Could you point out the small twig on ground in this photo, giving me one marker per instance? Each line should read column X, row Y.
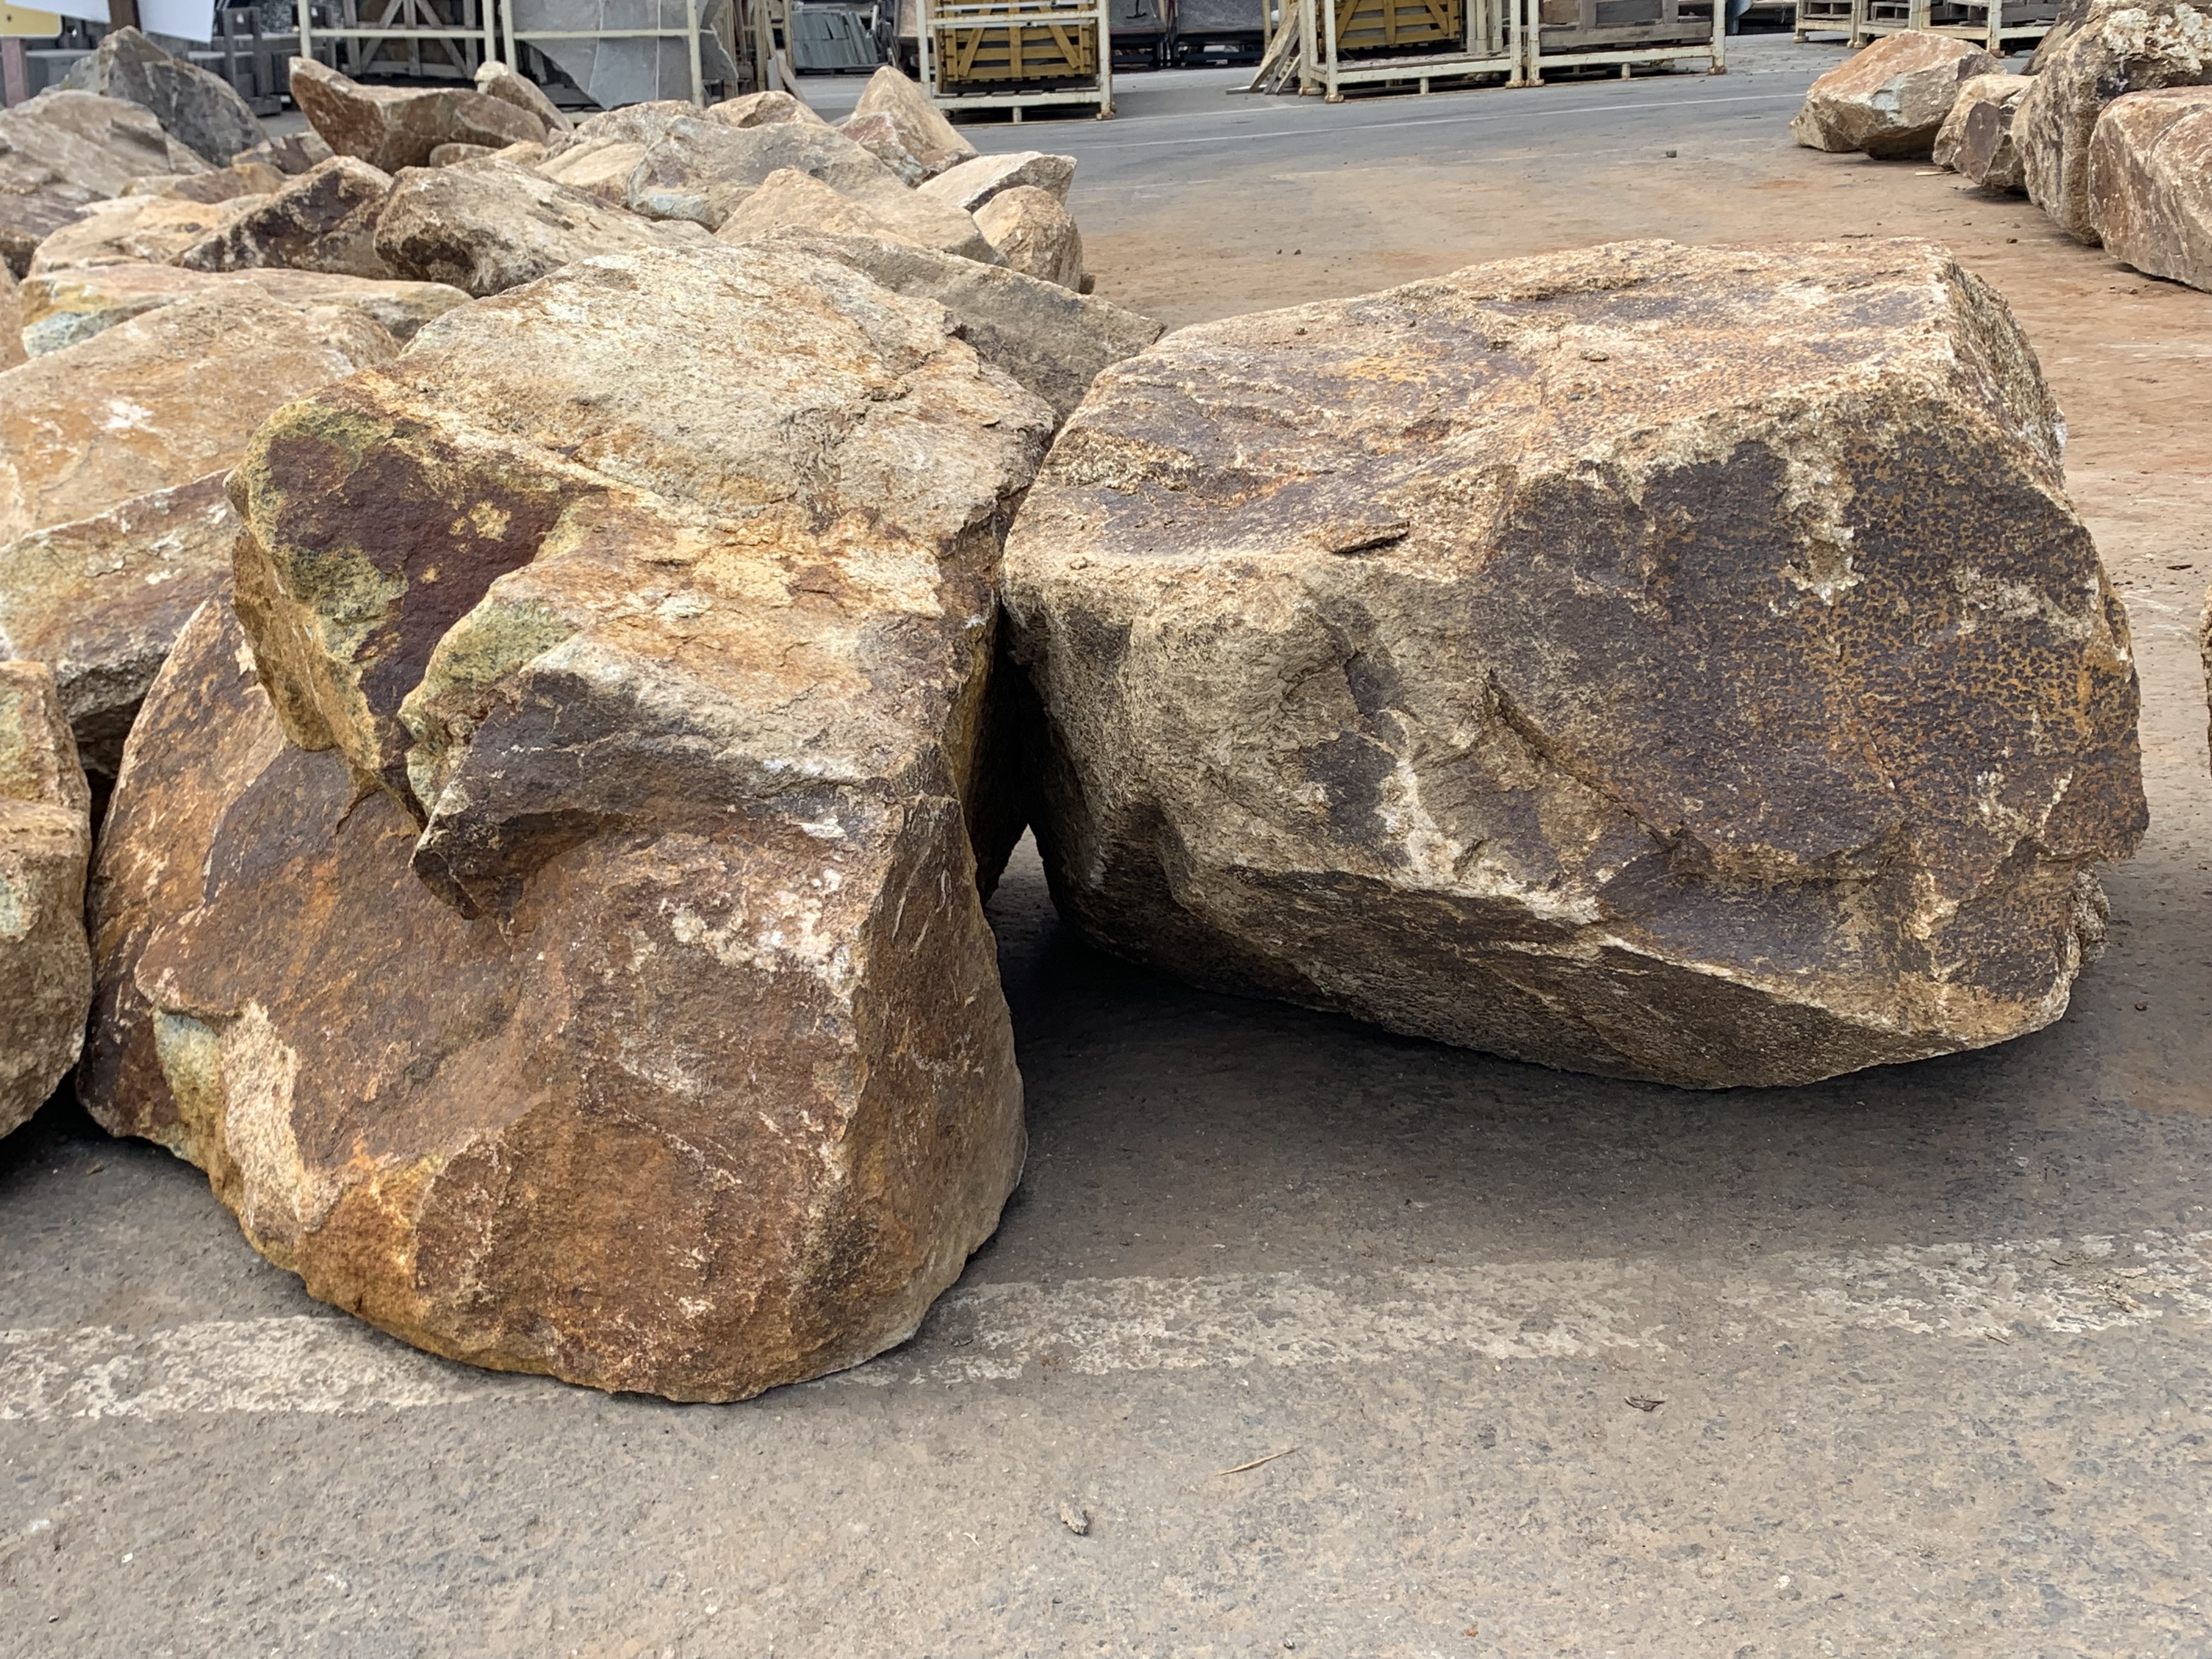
column 1256, row 1462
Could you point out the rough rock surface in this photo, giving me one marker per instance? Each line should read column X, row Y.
column 293, row 155
column 68, row 307
column 700, row 169
column 598, row 167
column 491, row 225
column 973, row 183
column 891, row 142
column 925, row 130
column 45, row 838
column 1034, row 234
column 1052, row 340
column 763, row 109
column 100, row 601
column 395, row 127
column 201, row 110
column 136, row 229
column 63, row 149
column 324, row 220
column 11, row 320
column 1890, row 99
column 684, row 1070
column 160, row 400
column 2150, row 183
column 1976, row 140
column 1681, row 663
column 446, row 156
column 216, row 184
column 790, row 199
column 2114, row 48
column 495, row 80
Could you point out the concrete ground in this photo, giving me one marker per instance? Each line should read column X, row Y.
column 1914, row 1363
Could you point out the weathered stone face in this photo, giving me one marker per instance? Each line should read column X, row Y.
column 70, row 307
column 700, row 169
column 489, row 225
column 1669, row 663
column 216, row 184
column 495, row 80
column 922, row 127
column 11, row 320
column 763, row 109
column 1052, row 340
column 640, row 1024
column 791, row 200
column 1034, row 234
column 100, row 600
column 80, row 147
column 293, row 155
column 2115, row 46
column 1889, row 99
column 136, row 230
column 200, row 111
column 323, row 221
column 395, row 127
column 45, row 837
column 974, row 182
column 898, row 146
column 161, row 400
column 1976, row 140
column 2150, row 183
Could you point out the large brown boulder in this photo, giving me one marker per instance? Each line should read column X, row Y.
column 216, row 184
column 763, row 109
column 1671, row 662
column 1976, row 140
column 1034, row 234
column 793, row 200
column 495, row 80
column 923, row 130
column 325, row 221
column 199, row 110
column 1052, row 340
column 136, row 230
column 639, row 1022
column 68, row 307
column 974, row 182
column 489, row 225
column 700, row 169
column 45, row 838
column 62, row 150
column 2150, row 183
column 2115, row 46
column 1890, row 99
column 395, row 127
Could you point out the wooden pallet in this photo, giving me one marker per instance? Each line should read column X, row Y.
column 1998, row 26
column 1396, row 26
column 1565, row 26
column 1826, row 16
column 1018, row 51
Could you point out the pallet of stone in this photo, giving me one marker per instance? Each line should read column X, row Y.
column 1826, row 17
column 1017, row 54
column 1338, row 46
column 1622, row 33
column 1998, row 26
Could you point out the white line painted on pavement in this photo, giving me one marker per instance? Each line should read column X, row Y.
column 1520, row 1310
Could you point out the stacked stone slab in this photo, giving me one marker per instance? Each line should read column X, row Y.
column 639, row 1023
column 2150, row 183
column 1667, row 663
column 1890, row 99
column 2114, row 47
column 45, row 838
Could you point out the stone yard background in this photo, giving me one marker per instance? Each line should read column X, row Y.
column 1909, row 1362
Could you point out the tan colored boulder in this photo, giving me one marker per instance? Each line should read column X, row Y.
column 199, row 110
column 1890, row 99
column 65, row 149
column 495, row 80
column 2150, row 183
column 974, row 182
column 447, row 154
column 292, row 154
column 1976, row 140
column 1409, row 656
column 324, row 220
column 489, row 225
column 137, row 230
column 11, row 320
column 1034, row 234
column 216, row 184
column 395, row 127
column 99, row 602
column 718, row 1090
column 46, row 839
column 2114, row 47
column 160, row 400
column 790, row 199
column 68, row 307
column 1051, row 341
column 891, row 142
column 763, row 109
column 922, row 126
column 598, row 166
column 699, row 169
column 631, row 123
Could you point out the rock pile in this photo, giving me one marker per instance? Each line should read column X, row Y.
column 1676, row 664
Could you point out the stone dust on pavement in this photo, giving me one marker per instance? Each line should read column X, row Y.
column 1297, row 1336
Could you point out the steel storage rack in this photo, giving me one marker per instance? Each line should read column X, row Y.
column 1016, row 55
column 434, row 38
column 1220, row 31
column 1405, row 42
column 1997, row 25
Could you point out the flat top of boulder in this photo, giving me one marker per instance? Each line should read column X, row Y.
column 976, row 180
column 1906, row 53
column 891, row 93
column 763, row 109
column 200, row 110
column 81, row 147
column 495, row 80
column 395, row 127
